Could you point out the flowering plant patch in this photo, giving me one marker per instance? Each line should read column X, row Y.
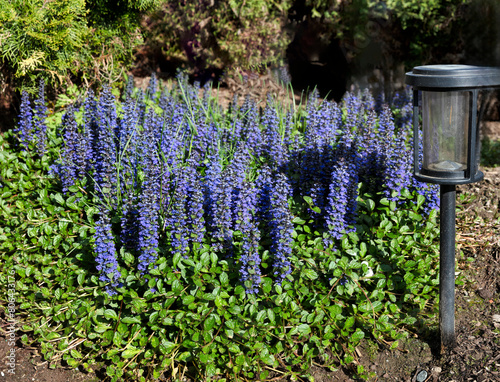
column 235, row 242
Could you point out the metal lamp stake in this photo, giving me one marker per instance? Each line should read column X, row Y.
column 450, row 156
column 447, row 267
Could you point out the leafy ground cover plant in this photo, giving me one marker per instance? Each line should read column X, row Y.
column 179, row 238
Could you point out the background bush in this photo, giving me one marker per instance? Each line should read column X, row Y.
column 85, row 41
column 339, row 38
column 217, row 34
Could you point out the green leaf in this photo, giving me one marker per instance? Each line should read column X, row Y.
column 349, row 322
column 129, row 353
column 310, row 274
column 204, row 259
column 81, row 278
column 153, row 317
column 266, row 357
column 224, row 278
column 58, row 198
column 316, row 209
column 308, row 199
column 267, row 284
column 56, row 241
column 52, row 336
column 110, row 314
column 261, row 316
column 239, row 290
column 358, row 335
column 155, row 342
column 271, row 315
column 240, row 360
column 47, row 229
column 188, row 299
column 370, row 204
column 298, row 220
column 302, row 329
column 209, row 323
column 167, row 347
column 131, row 320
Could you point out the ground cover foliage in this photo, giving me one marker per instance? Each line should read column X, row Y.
column 155, row 233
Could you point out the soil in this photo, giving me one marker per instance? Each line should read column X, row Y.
column 476, row 356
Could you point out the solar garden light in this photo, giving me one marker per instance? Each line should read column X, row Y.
column 450, row 142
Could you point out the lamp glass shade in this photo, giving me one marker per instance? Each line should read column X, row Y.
column 445, row 124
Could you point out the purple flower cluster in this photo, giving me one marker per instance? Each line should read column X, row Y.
column 175, row 177
column 280, row 225
column 218, row 202
column 73, row 152
column 106, row 256
column 346, row 145
column 194, row 206
column 24, row 127
column 251, row 131
column 149, row 203
column 105, row 150
column 31, row 127
column 274, row 151
column 341, row 200
column 246, row 224
column 178, row 220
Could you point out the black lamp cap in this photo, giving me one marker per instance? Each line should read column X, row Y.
column 448, row 77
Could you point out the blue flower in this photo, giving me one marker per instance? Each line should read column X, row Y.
column 251, row 131
column 40, row 113
column 148, row 240
column 151, row 89
column 106, row 257
column 73, row 152
column 274, row 150
column 218, row 192
column 25, row 129
column 247, row 224
column 91, row 131
column 194, row 205
column 280, row 226
column 128, row 150
column 337, row 207
column 149, row 203
column 129, row 87
column 178, row 220
column 105, row 151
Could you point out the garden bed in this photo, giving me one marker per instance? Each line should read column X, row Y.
column 412, row 355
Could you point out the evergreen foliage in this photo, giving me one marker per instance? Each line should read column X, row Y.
column 64, row 40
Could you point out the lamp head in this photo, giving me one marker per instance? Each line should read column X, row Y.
column 450, row 136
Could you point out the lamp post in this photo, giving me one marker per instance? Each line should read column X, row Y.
column 450, row 144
